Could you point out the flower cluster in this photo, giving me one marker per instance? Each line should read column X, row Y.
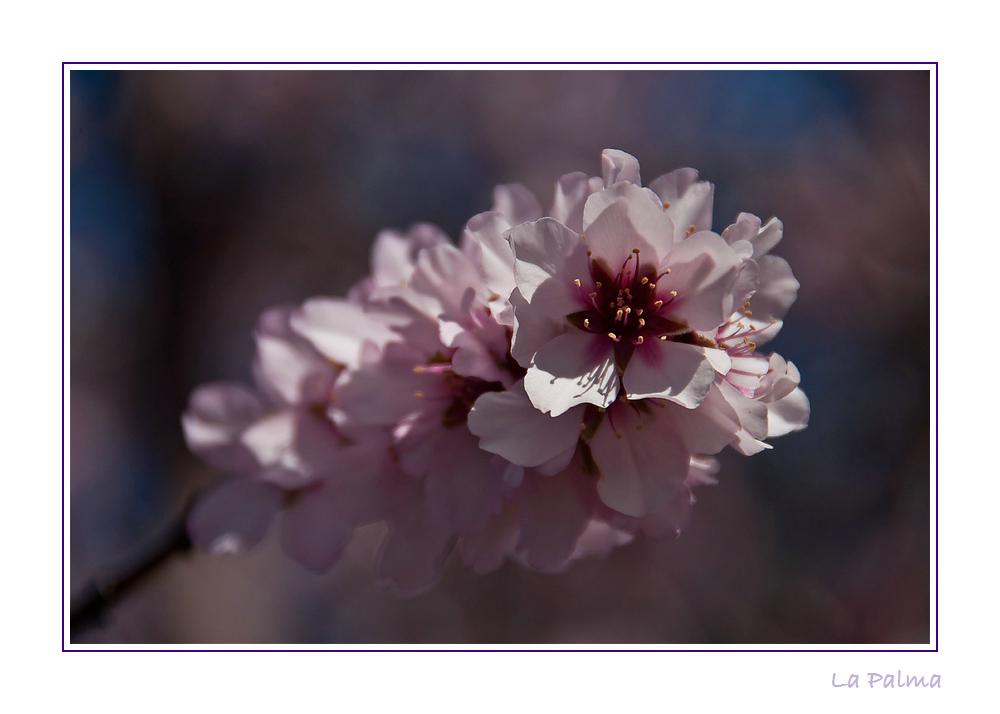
column 549, row 389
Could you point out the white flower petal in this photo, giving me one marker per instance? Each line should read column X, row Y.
column 618, row 166
column 338, row 328
column 516, row 203
column 572, row 191
column 688, row 201
column 669, row 370
column 574, row 368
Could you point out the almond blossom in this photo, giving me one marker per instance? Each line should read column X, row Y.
column 550, row 389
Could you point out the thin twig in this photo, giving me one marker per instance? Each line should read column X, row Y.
column 90, row 603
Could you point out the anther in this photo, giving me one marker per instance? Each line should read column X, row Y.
column 673, row 293
column 618, row 315
column 638, row 311
column 614, row 337
column 667, row 271
column 586, row 322
column 638, row 340
column 666, row 204
column 747, row 313
column 628, row 310
column 658, row 303
column 589, row 252
column 593, row 295
column 644, row 281
column 652, row 286
column 576, row 281
column 636, row 251
column 642, row 323
column 418, row 369
column 598, row 283
column 418, row 394
column 663, row 338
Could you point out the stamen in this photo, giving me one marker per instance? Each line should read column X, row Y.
column 663, row 338
column 418, row 394
column 673, row 293
column 644, row 281
column 652, row 286
column 638, row 311
column 666, row 204
column 658, row 303
column 614, row 337
column 586, row 322
column 636, row 251
column 598, row 284
column 576, row 281
column 638, row 340
column 642, row 323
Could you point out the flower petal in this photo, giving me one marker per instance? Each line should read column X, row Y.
column 618, row 166
column 574, row 368
column 688, row 201
column 554, row 513
column 703, row 271
column 778, row 289
column 669, row 370
column 516, row 203
column 572, row 191
column 394, row 254
column 233, row 516
column 216, row 417
column 643, row 461
column 312, row 535
column 509, row 425
column 337, row 328
column 547, row 253
column 788, row 414
column 483, row 241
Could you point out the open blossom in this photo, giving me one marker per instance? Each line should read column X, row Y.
column 549, row 390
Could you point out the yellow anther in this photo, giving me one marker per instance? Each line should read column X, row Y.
column 418, row 369
column 638, row 340
column 673, row 293
column 666, row 204
column 576, row 281
column 586, row 322
column 652, row 286
column 642, row 323
column 658, row 303
column 418, row 394
column 598, row 283
column 663, row 338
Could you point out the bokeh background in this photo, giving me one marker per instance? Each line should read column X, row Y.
column 200, row 198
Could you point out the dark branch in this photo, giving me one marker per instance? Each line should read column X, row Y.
column 90, row 603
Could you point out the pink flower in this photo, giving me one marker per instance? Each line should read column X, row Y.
column 549, row 391
column 288, row 455
column 617, row 308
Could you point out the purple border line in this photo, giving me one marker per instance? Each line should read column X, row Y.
column 937, row 458
column 62, row 342
column 937, row 367
column 506, row 64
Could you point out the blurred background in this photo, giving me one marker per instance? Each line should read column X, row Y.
column 200, row 198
